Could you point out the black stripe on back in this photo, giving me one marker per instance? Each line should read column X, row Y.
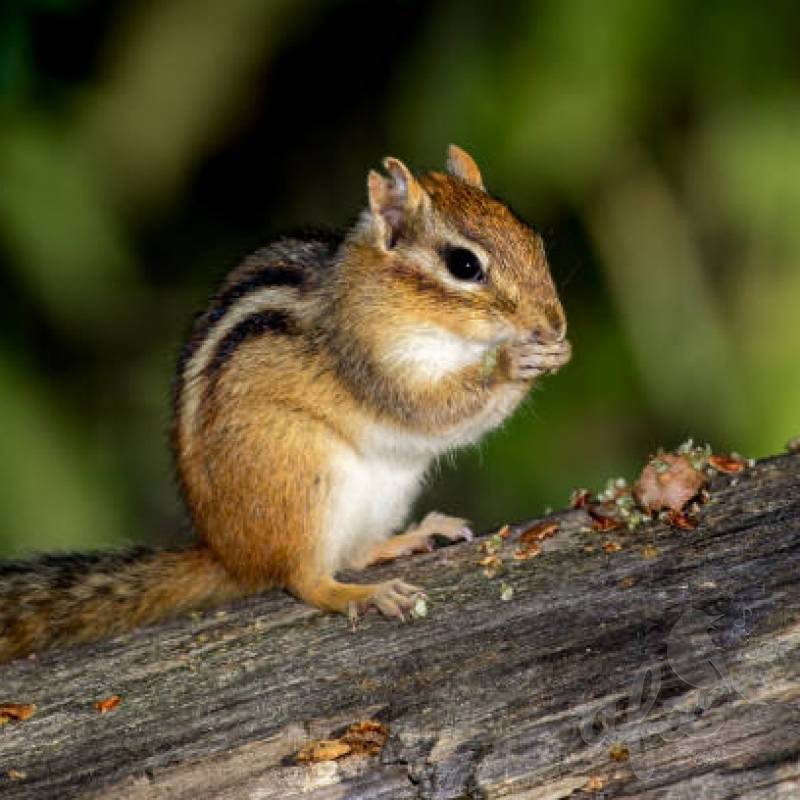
column 203, row 322
column 255, row 325
column 289, row 261
column 272, row 276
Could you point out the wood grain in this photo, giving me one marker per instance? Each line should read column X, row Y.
column 686, row 659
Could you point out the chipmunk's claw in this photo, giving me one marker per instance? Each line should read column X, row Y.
column 392, row 598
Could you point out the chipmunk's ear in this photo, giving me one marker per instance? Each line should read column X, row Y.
column 393, row 199
column 462, row 165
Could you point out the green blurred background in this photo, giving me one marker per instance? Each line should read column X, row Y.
column 146, row 145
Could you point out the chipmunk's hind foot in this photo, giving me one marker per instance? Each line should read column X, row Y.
column 393, row 598
column 419, row 538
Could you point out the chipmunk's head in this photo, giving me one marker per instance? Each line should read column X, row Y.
column 451, row 257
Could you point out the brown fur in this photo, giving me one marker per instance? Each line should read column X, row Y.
column 289, row 368
column 65, row 599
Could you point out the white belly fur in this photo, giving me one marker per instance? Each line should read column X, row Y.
column 370, row 498
column 372, row 488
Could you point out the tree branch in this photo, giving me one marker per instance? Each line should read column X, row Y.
column 667, row 669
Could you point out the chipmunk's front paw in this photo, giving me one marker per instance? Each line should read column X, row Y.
column 393, row 598
column 530, row 359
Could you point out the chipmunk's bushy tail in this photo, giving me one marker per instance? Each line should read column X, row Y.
column 65, row 599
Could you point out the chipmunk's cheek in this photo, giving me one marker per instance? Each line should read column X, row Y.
column 488, row 331
column 430, row 353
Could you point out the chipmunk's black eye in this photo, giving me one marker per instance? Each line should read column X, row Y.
column 463, row 264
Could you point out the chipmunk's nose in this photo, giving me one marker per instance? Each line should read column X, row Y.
column 551, row 332
column 547, row 322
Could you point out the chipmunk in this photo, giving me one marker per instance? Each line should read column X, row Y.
column 325, row 376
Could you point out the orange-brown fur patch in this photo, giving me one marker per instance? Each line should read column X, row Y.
column 60, row 600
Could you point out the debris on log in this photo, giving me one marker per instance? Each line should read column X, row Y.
column 664, row 666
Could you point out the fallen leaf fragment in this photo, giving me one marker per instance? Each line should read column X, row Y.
column 611, row 546
column 628, row 581
column 530, row 550
column 323, row 750
column 504, row 532
column 492, row 566
column 619, row 752
column 681, row 521
column 16, row 775
column 538, row 533
column 668, row 481
column 492, row 545
column 18, row 712
column 603, row 522
column 580, row 498
column 109, row 704
column 727, row 464
column 594, row 784
column 365, row 738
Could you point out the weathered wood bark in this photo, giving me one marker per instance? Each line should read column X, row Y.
column 687, row 657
